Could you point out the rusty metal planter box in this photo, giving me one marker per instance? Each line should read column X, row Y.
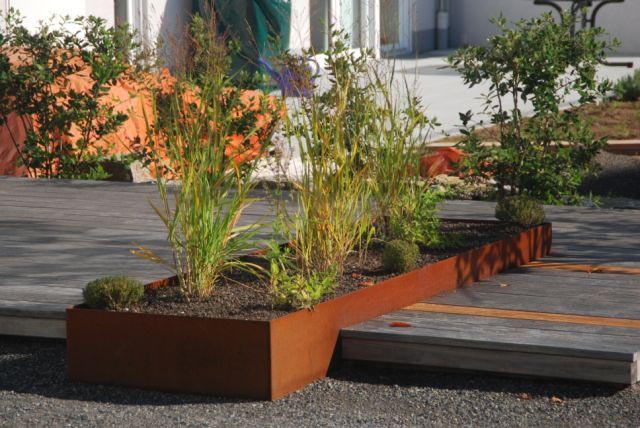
column 263, row 359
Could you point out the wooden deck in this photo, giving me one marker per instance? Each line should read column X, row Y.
column 573, row 315
column 57, row 235
column 556, row 319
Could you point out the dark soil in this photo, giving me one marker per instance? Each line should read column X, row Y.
column 619, row 176
column 242, row 296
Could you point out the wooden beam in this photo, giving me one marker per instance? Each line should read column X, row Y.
column 524, row 315
column 584, row 268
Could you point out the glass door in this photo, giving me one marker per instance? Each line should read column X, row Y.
column 347, row 14
column 351, row 20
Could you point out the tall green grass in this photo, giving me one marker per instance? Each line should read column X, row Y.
column 332, row 193
column 195, row 139
column 360, row 141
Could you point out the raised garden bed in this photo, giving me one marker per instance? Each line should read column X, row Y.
column 269, row 358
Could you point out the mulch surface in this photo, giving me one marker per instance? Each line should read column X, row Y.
column 615, row 120
column 243, row 296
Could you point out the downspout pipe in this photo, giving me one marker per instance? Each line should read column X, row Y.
column 442, row 26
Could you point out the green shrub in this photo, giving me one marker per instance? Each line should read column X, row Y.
column 290, row 288
column 628, row 87
column 113, row 292
column 522, row 210
column 400, row 256
column 414, row 217
column 35, row 89
column 537, row 63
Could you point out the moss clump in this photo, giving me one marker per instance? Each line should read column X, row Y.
column 113, row 292
column 400, row 256
column 522, row 210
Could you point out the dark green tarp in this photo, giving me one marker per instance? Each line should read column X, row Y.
column 261, row 26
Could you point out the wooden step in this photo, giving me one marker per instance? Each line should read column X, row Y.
column 499, row 345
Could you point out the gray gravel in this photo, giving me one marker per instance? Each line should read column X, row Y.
column 619, row 176
column 35, row 392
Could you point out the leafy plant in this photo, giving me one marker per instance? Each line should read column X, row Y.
column 63, row 123
column 414, row 217
column 539, row 63
column 396, row 130
column 400, row 256
column 113, row 292
column 290, row 288
column 628, row 87
column 522, row 210
column 194, row 140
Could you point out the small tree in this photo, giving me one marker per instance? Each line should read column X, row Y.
column 539, row 63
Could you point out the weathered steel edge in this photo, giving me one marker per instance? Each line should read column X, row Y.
column 263, row 359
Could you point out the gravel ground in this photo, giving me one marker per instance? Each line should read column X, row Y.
column 35, row 392
column 619, row 176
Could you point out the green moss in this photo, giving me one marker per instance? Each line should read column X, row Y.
column 400, row 256
column 113, row 292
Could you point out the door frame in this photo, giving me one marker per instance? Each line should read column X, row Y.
column 370, row 25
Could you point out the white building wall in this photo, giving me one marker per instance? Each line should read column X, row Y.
column 423, row 24
column 103, row 9
column 166, row 21
column 470, row 20
column 300, row 36
column 34, row 11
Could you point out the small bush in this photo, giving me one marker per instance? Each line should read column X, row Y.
column 522, row 210
column 400, row 256
column 64, row 127
column 113, row 292
column 538, row 63
column 414, row 217
column 628, row 87
column 291, row 288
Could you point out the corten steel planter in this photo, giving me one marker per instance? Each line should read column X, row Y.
column 263, row 359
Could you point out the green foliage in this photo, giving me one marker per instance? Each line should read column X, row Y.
column 290, row 288
column 395, row 130
column 414, row 218
column 628, row 87
column 191, row 141
column 209, row 50
column 400, row 256
column 522, row 210
column 113, row 292
column 38, row 91
column 332, row 194
column 540, row 63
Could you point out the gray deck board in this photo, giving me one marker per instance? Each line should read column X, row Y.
column 503, row 335
column 591, row 237
column 587, row 304
column 57, row 235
